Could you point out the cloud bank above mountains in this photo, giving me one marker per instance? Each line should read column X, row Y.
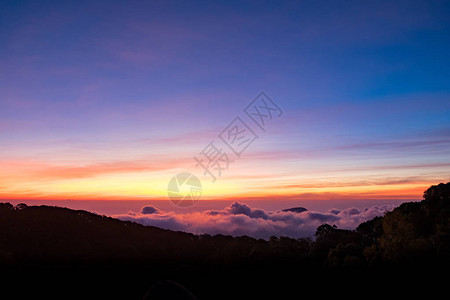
column 240, row 219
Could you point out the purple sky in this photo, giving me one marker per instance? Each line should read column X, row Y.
column 110, row 99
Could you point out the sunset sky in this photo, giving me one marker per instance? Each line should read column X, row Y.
column 111, row 99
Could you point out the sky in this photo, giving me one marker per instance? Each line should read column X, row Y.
column 109, row 100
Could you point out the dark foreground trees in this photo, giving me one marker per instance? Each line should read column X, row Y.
column 45, row 249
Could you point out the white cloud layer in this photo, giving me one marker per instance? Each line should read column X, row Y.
column 240, row 219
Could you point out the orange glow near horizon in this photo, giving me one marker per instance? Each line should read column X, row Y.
column 143, row 185
column 259, row 176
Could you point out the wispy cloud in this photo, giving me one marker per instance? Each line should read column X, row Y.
column 406, row 144
column 45, row 171
column 355, row 182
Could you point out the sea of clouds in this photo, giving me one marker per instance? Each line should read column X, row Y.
column 240, row 219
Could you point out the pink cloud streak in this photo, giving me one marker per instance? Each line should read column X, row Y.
column 240, row 219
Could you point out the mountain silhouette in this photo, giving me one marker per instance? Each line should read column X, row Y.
column 412, row 241
column 295, row 209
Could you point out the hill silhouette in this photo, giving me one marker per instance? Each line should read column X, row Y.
column 295, row 209
column 82, row 247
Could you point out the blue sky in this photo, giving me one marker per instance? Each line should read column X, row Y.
column 92, row 83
